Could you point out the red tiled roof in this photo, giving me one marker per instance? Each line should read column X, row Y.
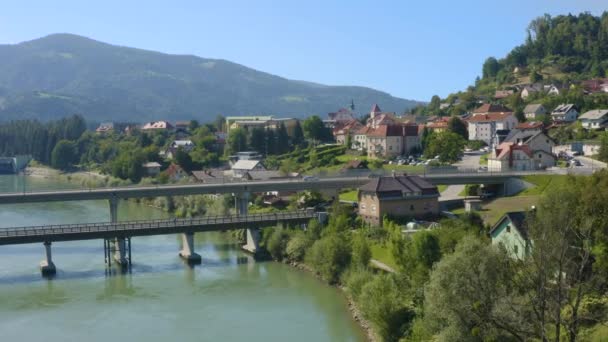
column 491, row 108
column 530, row 125
column 489, row 117
column 394, row 130
column 506, row 150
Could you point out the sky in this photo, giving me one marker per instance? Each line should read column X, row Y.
column 409, row 48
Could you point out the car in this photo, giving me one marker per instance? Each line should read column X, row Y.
column 310, row 178
column 483, row 168
column 577, row 153
column 486, row 194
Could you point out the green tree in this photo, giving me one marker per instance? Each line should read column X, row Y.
column 257, row 140
column 237, row 140
column 456, row 125
column 277, row 243
column 490, row 67
column 383, row 303
column 603, row 152
column 362, row 253
column 282, row 139
column 447, row 145
column 193, row 125
column 298, row 135
column 315, row 130
column 63, row 155
column 183, row 159
column 330, row 256
column 434, row 105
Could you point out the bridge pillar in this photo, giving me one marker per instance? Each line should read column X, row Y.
column 241, row 202
column 120, row 251
column 113, row 209
column 47, row 267
column 187, row 252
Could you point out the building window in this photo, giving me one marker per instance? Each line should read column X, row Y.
column 411, row 207
column 373, row 208
column 515, row 249
column 508, row 229
column 362, row 206
column 539, row 155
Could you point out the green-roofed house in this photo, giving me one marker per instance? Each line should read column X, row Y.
column 512, row 233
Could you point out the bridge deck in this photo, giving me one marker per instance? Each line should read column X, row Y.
column 88, row 231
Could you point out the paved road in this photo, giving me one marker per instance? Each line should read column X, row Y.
column 382, row 266
column 452, row 192
column 470, row 161
column 592, row 163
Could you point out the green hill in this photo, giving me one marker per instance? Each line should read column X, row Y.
column 65, row 74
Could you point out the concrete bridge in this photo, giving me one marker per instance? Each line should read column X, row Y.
column 117, row 235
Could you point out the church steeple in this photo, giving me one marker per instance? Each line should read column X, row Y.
column 352, row 105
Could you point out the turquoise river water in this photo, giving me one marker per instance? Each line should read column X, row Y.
column 230, row 297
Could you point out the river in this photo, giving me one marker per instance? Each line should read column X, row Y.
column 230, row 297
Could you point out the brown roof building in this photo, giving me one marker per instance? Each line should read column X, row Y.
column 490, row 108
column 398, row 197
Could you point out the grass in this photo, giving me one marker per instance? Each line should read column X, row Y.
column 543, row 183
column 349, row 196
column 441, row 188
column 598, row 333
column 383, row 254
column 493, row 210
column 483, row 160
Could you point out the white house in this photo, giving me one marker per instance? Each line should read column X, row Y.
column 242, row 167
column 152, row 169
column 564, row 113
column 594, row 119
column 511, row 156
column 530, row 89
column 186, row 145
column 534, row 111
column 538, row 143
column 484, row 126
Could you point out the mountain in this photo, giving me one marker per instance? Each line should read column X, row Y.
column 64, row 74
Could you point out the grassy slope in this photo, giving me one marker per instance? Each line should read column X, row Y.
column 383, row 254
column 543, row 183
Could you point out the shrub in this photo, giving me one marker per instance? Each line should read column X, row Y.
column 329, row 256
column 297, row 246
column 277, row 243
column 362, row 253
column 355, row 280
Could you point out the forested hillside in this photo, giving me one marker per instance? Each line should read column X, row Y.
column 63, row 74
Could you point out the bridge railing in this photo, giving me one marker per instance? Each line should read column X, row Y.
column 151, row 224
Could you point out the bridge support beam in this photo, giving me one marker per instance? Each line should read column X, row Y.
column 187, row 252
column 47, row 267
column 122, row 246
column 113, row 209
column 241, row 202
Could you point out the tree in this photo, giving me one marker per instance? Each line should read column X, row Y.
column 193, row 125
column 183, row 159
column 603, row 152
column 383, row 303
column 362, row 253
column 315, row 130
column 63, row 155
column 271, row 142
column 434, row 105
column 447, row 145
column 490, row 68
column 257, row 140
column 456, row 125
column 282, row 140
column 469, row 296
column 237, row 140
column 330, row 256
column 298, row 134
column 220, row 123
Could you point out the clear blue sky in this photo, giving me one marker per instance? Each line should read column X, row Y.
column 411, row 49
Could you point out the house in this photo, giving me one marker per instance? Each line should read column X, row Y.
column 157, row 126
column 182, row 126
column 564, row 113
column 152, row 169
column 552, row 89
column 343, row 114
column 530, row 126
column 355, row 165
column 397, row 196
column 175, row 172
column 186, row 146
column 530, row 89
column 105, row 127
column 241, row 167
column 501, row 94
column 530, row 153
column 594, row 119
column 392, row 140
column 233, row 122
column 209, row 176
column 534, row 111
column 439, row 125
column 489, row 108
column 595, row 85
column 360, row 139
column 377, row 117
column 511, row 232
column 345, row 130
column 484, row 127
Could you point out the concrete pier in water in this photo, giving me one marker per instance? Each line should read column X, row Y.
column 47, row 267
column 187, row 252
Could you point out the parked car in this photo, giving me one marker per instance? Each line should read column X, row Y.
column 310, row 178
column 577, row 153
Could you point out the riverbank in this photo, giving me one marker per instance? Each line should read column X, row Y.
column 356, row 314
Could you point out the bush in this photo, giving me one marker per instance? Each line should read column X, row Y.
column 277, row 243
column 329, row 256
column 362, row 253
column 297, row 246
column 383, row 304
column 355, row 280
